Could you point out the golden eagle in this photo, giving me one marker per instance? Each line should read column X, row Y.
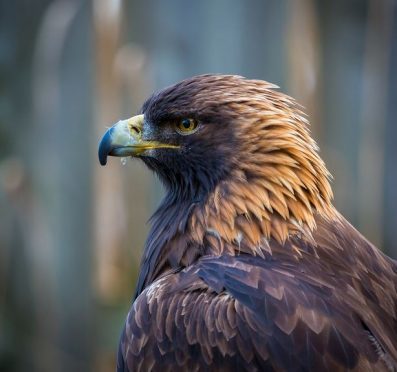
column 248, row 265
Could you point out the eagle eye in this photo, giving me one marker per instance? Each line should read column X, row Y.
column 186, row 126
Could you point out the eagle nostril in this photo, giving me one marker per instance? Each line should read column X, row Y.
column 135, row 129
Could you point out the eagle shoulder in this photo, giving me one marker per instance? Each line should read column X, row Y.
column 248, row 313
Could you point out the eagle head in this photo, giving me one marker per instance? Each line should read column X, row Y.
column 221, row 139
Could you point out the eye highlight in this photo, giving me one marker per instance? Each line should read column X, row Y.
column 186, row 126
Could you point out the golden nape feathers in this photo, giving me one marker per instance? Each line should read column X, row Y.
column 247, row 264
column 279, row 183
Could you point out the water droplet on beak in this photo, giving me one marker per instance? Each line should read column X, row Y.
column 123, row 161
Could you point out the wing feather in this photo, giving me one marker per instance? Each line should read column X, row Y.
column 323, row 311
column 297, row 323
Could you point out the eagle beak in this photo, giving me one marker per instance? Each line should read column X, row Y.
column 125, row 139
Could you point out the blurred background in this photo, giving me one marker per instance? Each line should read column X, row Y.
column 71, row 232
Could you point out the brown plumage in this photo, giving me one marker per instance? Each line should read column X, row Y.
column 248, row 266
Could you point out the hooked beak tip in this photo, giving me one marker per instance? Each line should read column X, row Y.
column 105, row 147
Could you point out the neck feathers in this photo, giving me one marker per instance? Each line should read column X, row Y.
column 278, row 187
